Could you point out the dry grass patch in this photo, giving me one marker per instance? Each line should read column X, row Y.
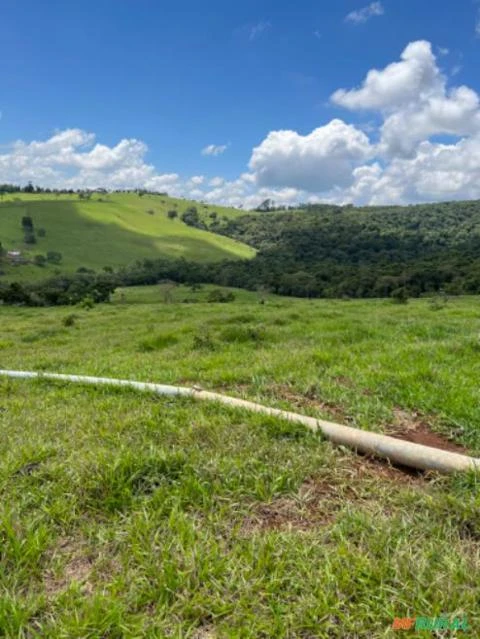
column 322, row 496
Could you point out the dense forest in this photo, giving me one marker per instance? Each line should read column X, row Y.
column 337, row 251
column 314, row 251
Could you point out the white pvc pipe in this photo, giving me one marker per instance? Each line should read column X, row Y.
column 395, row 450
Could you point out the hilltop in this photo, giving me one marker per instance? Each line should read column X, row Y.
column 108, row 230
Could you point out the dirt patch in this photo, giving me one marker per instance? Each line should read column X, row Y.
column 77, row 568
column 308, row 400
column 370, row 467
column 204, row 632
column 410, row 427
column 320, row 498
column 286, row 514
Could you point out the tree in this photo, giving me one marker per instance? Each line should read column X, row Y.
column 29, row 237
column 54, row 257
column 265, row 206
column 27, row 223
column 400, row 295
column 172, row 214
column 192, row 218
column 40, row 260
column 15, row 293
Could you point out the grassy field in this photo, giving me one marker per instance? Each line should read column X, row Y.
column 127, row 515
column 108, row 230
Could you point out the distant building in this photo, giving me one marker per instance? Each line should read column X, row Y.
column 15, row 257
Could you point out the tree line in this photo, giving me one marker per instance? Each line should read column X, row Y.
column 332, row 251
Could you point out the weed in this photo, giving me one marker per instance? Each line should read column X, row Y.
column 69, row 320
column 158, row 342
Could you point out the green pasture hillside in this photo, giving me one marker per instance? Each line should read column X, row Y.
column 108, row 230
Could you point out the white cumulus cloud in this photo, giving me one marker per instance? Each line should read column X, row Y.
column 359, row 16
column 320, row 160
column 413, row 97
column 214, row 149
column 416, row 75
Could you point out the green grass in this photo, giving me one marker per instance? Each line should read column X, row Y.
column 109, row 230
column 127, row 515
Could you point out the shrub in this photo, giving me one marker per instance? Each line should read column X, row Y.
column 217, row 295
column 192, row 218
column 172, row 214
column 438, row 302
column 87, row 303
column 203, row 342
column 27, row 223
column 29, row 237
column 400, row 295
column 14, row 293
column 41, row 232
column 69, row 320
column 40, row 260
column 151, row 212
column 158, row 342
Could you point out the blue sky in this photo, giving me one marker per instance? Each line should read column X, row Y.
column 181, row 77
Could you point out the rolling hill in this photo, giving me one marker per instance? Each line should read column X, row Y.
column 108, row 230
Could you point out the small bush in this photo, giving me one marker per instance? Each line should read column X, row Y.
column 54, row 257
column 41, row 232
column 69, row 320
column 400, row 295
column 87, row 303
column 158, row 343
column 40, row 260
column 217, row 295
column 438, row 302
column 30, row 238
column 151, row 212
column 27, row 223
column 203, row 342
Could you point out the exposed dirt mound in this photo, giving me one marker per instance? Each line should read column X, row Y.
column 410, row 427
